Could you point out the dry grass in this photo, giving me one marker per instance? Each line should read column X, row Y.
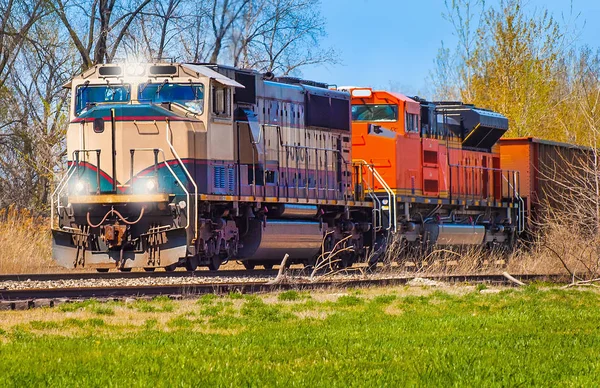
column 25, row 243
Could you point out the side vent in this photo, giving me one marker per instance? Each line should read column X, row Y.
column 430, row 186
column 219, row 177
column 430, row 157
column 231, row 179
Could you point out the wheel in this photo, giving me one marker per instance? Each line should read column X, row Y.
column 268, row 267
column 125, row 269
column 171, row 268
column 249, row 265
column 191, row 264
column 149, row 269
column 102, row 270
column 215, row 263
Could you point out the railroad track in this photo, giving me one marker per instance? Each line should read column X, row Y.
column 136, row 275
column 36, row 297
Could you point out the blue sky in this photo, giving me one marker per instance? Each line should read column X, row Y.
column 394, row 42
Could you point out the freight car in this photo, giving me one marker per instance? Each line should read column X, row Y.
column 547, row 170
column 188, row 164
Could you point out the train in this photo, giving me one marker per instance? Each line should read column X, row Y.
column 190, row 164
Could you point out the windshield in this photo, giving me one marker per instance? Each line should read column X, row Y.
column 191, row 96
column 90, row 95
column 372, row 112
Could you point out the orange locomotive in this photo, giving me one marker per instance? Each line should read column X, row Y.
column 434, row 167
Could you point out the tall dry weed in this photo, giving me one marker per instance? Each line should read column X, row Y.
column 25, row 242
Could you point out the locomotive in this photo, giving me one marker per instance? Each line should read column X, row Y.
column 186, row 165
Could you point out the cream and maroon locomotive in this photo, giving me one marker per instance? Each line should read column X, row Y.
column 187, row 164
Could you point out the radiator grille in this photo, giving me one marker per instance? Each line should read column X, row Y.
column 219, row 177
column 231, row 178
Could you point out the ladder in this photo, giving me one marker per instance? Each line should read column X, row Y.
column 379, row 208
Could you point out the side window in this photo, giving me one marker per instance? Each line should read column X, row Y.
column 412, row 122
column 221, row 96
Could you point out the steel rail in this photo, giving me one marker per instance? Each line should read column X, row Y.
column 135, row 275
column 191, row 290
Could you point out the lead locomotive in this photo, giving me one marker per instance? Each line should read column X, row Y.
column 186, row 165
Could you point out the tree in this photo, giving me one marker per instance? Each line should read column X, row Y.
column 18, row 17
column 32, row 146
column 511, row 66
column 103, row 25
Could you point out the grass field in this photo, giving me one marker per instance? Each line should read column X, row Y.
column 455, row 336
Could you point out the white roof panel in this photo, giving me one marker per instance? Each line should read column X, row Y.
column 207, row 72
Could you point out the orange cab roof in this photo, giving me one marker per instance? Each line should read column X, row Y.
column 412, row 106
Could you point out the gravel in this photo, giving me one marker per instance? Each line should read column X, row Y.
column 188, row 280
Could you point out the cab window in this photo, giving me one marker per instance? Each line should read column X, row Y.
column 190, row 96
column 88, row 96
column 375, row 112
column 221, row 101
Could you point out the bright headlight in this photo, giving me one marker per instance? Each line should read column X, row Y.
column 150, row 185
column 79, row 186
column 135, row 69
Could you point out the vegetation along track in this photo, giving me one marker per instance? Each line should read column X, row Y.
column 47, row 297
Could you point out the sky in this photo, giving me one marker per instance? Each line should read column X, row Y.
column 393, row 43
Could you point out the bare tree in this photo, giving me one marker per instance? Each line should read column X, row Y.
column 97, row 27
column 33, row 134
column 280, row 36
column 18, row 17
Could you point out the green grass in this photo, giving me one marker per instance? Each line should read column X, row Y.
column 512, row 338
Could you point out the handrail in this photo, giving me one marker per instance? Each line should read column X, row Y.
column 189, row 176
column 392, row 221
column 58, row 190
column 377, row 208
column 187, row 193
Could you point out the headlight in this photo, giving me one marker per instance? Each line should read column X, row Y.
column 81, row 187
column 135, row 69
column 150, row 185
column 146, row 185
column 384, row 201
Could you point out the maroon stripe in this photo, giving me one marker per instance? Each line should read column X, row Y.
column 132, row 118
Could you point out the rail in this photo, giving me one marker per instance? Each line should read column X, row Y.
column 189, row 176
column 293, row 155
column 392, row 206
column 521, row 211
column 478, row 186
column 187, row 193
column 58, row 191
column 24, row 298
column 64, row 181
column 377, row 216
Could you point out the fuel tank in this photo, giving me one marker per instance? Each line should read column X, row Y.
column 290, row 210
column 455, row 234
column 270, row 241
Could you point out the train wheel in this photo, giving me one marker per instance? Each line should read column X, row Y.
column 149, row 269
column 268, row 267
column 191, row 264
column 215, row 263
column 125, row 269
column 171, row 268
column 249, row 265
column 102, row 270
